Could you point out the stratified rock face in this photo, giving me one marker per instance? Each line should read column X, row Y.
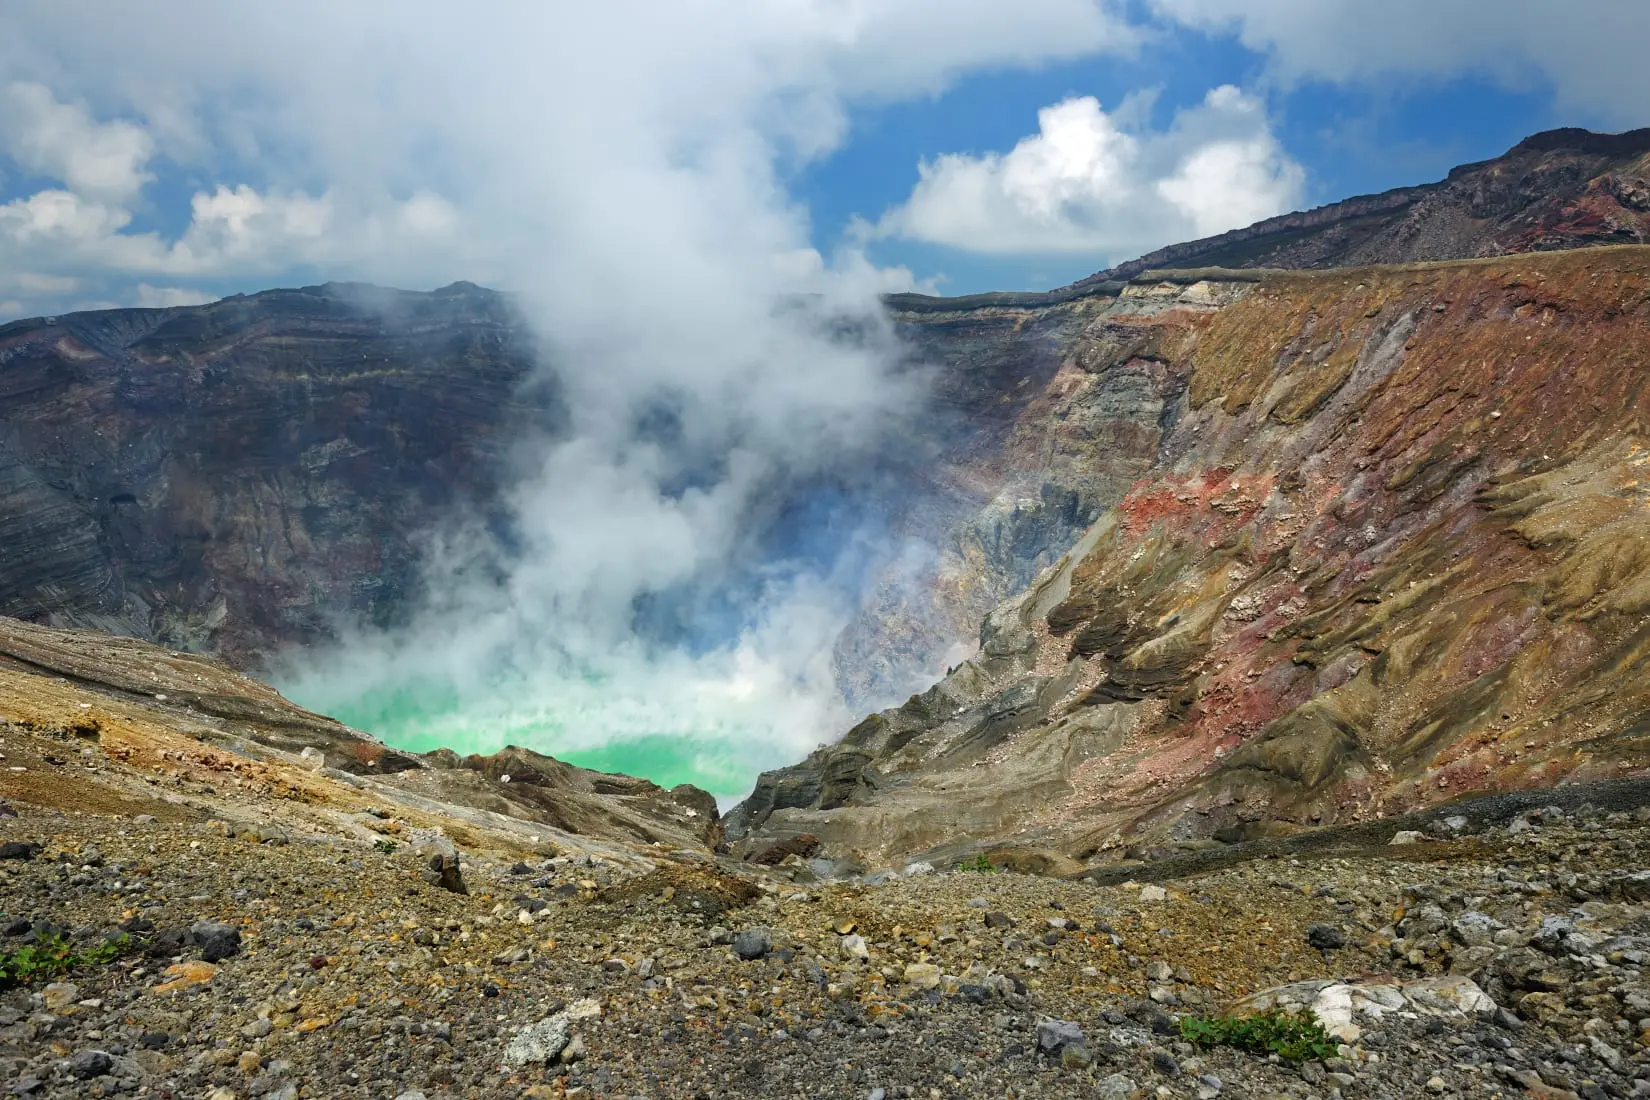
column 230, row 477
column 153, row 708
column 237, row 477
column 1052, row 418
column 1391, row 549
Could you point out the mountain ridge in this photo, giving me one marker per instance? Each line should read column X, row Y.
column 1383, row 555
column 1561, row 167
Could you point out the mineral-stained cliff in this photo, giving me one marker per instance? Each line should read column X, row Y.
column 1034, row 463
column 235, row 477
column 227, row 477
column 1390, row 549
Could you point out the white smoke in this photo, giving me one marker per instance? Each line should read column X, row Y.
column 619, row 167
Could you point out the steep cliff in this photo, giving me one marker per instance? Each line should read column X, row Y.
column 1390, row 549
column 227, row 477
column 234, row 477
column 1034, row 464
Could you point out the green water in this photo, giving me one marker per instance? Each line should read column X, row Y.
column 582, row 721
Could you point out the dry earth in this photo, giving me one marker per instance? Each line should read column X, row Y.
column 284, row 939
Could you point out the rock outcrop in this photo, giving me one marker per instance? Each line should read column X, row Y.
column 228, row 478
column 1025, row 473
column 201, row 726
column 1388, row 551
column 236, row 477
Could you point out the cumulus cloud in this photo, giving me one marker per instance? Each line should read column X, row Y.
column 1588, row 52
column 1091, row 182
column 102, row 160
column 620, row 168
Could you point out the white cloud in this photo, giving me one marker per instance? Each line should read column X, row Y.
column 151, row 297
column 1086, row 183
column 621, row 166
column 59, row 219
column 1589, row 52
column 61, row 140
column 45, row 284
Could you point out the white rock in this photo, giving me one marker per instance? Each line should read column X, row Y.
column 540, row 1042
column 1153, row 893
column 585, row 1008
column 1337, row 1004
column 1406, row 836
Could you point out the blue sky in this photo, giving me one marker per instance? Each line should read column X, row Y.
column 1350, row 141
column 183, row 153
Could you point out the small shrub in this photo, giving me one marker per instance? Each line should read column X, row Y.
column 978, row 863
column 49, row 956
column 385, row 846
column 1291, row 1036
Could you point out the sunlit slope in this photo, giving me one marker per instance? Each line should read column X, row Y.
column 1393, row 550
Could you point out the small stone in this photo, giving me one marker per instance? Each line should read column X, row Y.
column 585, row 1008
column 1053, row 1035
column 1115, row 1087
column 1325, row 937
column 441, row 867
column 1153, row 893
column 86, row 1064
column 1159, row 972
column 19, row 849
column 1436, row 1084
column 1209, row 1086
column 60, row 995
column 249, row 1062
column 923, row 975
column 1406, row 836
column 998, row 920
column 853, row 947
column 541, row 1042
column 1164, row 1063
column 753, row 943
column 216, row 941
column 185, row 974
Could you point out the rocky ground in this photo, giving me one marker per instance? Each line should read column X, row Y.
column 276, row 964
column 196, row 903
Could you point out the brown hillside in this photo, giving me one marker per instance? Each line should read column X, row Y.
column 1392, row 551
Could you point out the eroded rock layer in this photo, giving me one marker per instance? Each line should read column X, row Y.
column 237, row 476
column 1390, row 549
column 181, row 737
